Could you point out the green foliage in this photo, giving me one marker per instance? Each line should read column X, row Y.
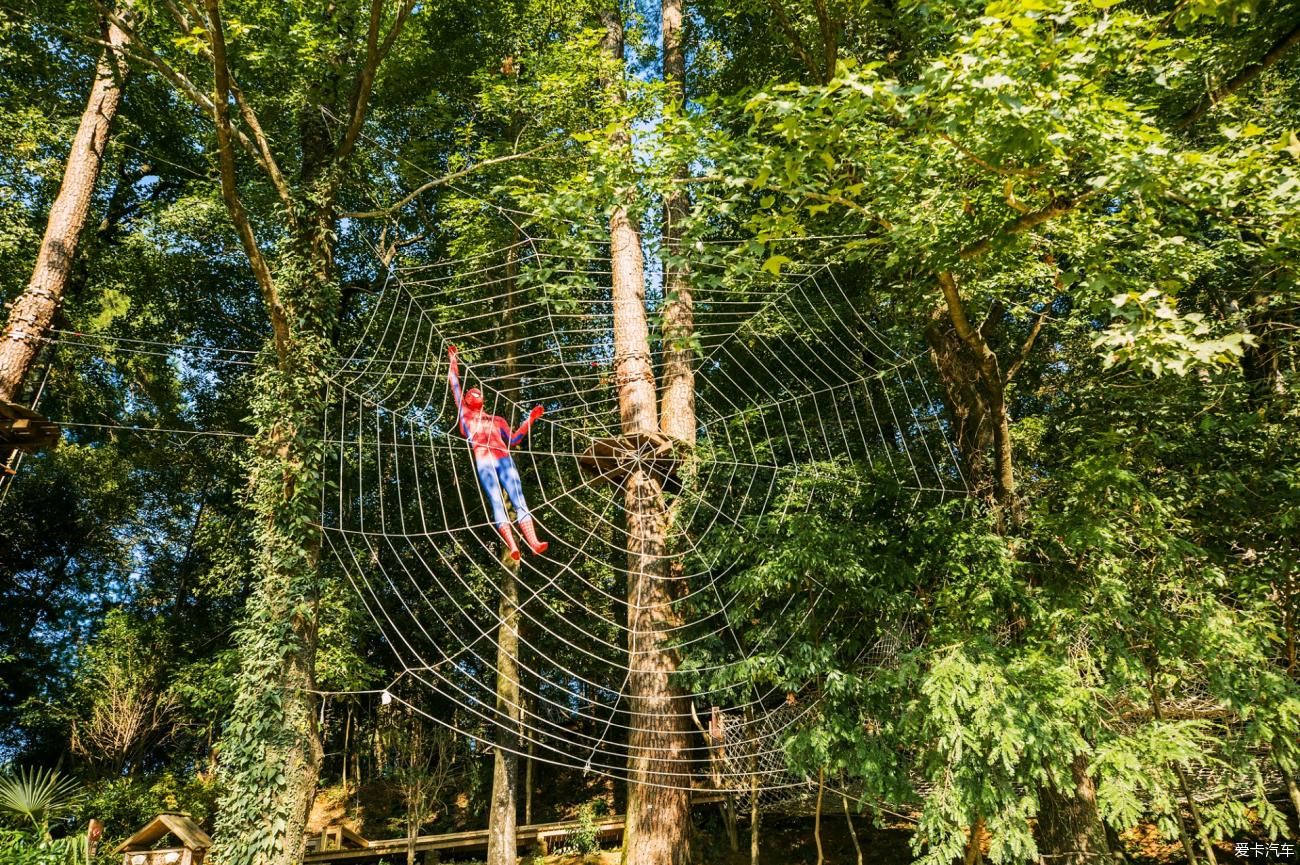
column 1036, row 149
column 20, row 848
column 1148, row 332
column 39, row 797
column 586, row 837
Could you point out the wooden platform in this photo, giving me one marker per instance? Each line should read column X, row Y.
column 612, row 459
column 24, row 430
column 546, row 835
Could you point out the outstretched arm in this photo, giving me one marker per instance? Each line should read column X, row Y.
column 518, row 435
column 453, row 377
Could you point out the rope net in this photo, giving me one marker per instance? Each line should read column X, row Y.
column 793, row 384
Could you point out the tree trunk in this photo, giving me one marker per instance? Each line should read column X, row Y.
column 853, row 832
column 1069, row 828
column 729, row 822
column 817, row 815
column 659, row 806
column 968, row 410
column 270, row 770
column 32, row 313
column 975, row 843
column 677, row 414
column 503, row 813
column 528, row 786
column 502, row 844
column 1293, row 791
column 1157, row 712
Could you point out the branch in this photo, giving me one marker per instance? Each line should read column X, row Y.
column 957, row 313
column 989, row 166
column 179, row 17
column 1245, row 76
column 442, row 181
column 1037, row 327
column 393, row 32
column 263, row 155
column 793, row 35
column 1021, row 224
column 994, row 315
column 266, row 159
column 830, row 48
column 136, row 50
column 365, row 81
column 229, row 193
column 1027, row 347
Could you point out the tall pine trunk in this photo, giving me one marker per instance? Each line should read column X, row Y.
column 32, row 314
column 659, row 806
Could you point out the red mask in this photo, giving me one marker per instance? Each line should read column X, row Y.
column 473, row 399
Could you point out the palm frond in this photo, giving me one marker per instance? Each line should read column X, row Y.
column 39, row 795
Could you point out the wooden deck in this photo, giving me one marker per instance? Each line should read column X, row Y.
column 544, row 835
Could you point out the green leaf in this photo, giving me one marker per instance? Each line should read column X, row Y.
column 773, row 264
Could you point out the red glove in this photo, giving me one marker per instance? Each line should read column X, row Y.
column 452, row 351
column 535, row 413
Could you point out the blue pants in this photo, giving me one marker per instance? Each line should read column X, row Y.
column 495, row 473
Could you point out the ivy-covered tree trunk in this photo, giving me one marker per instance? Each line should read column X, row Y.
column 271, row 749
column 657, row 830
column 32, row 313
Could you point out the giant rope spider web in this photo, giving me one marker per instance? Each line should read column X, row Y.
column 793, row 382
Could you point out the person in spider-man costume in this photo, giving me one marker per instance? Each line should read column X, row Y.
column 491, row 438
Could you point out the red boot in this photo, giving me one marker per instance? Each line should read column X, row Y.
column 530, row 535
column 509, row 537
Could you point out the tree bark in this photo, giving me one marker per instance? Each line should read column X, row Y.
column 975, row 390
column 33, row 311
column 658, row 819
column 502, row 843
column 969, row 412
column 677, row 413
column 853, row 832
column 1069, row 828
column 503, row 813
column 817, row 815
